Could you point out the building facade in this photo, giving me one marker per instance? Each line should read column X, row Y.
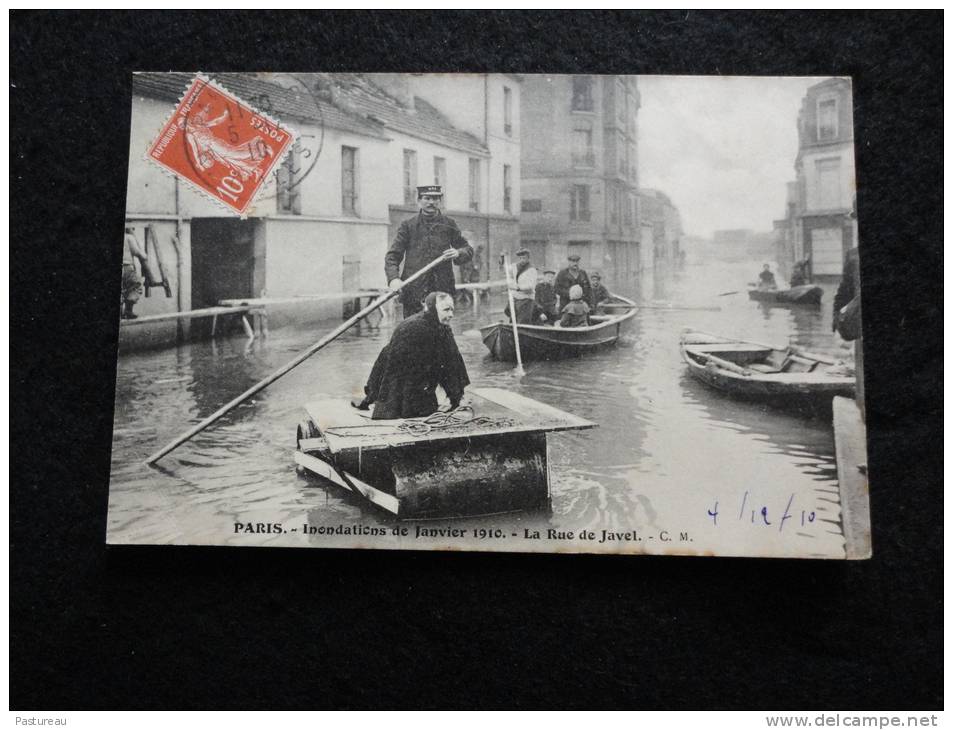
column 470, row 146
column 661, row 216
column 580, row 174
column 823, row 228
column 323, row 224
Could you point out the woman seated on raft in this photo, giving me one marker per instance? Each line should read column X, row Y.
column 576, row 313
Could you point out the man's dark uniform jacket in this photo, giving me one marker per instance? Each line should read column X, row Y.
column 564, row 281
column 419, row 241
column 421, row 355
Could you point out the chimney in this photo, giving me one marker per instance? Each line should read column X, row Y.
column 397, row 86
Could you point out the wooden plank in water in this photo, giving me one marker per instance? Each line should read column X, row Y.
column 549, row 418
column 344, row 427
column 850, row 447
column 189, row 314
column 322, row 468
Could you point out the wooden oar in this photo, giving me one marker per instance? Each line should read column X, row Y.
column 516, row 335
column 261, row 385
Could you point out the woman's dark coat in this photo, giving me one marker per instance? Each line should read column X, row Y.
column 421, row 355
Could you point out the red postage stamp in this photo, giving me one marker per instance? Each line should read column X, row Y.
column 220, row 144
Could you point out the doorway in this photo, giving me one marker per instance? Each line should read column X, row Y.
column 224, row 261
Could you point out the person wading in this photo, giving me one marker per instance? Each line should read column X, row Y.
column 419, row 241
column 421, row 355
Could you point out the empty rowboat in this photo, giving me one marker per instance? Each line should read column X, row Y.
column 546, row 342
column 489, row 458
column 756, row 371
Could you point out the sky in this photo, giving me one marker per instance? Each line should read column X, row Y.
column 721, row 147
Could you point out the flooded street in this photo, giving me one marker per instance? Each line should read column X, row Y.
column 670, row 456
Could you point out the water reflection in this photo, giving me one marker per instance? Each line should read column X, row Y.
column 666, row 450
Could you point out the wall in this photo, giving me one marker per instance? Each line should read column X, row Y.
column 457, row 187
column 846, row 180
column 300, row 254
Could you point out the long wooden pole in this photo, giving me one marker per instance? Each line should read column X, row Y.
column 261, row 385
column 516, row 334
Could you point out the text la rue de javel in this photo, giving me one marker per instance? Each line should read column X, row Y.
column 418, row 532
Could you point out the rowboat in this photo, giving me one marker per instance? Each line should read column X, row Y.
column 545, row 342
column 756, row 371
column 490, row 457
column 806, row 294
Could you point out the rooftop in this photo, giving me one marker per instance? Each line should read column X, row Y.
column 359, row 96
column 271, row 98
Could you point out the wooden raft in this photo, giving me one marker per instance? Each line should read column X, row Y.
column 484, row 467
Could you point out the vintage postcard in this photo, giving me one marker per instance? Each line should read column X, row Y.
column 496, row 312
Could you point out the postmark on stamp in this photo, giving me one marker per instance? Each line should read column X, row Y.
column 220, row 144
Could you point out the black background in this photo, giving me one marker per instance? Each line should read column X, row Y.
column 158, row 627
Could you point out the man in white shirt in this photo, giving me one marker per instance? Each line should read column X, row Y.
column 522, row 283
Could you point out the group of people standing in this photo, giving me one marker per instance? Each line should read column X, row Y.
column 565, row 299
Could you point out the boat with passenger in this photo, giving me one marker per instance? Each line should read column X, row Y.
column 548, row 342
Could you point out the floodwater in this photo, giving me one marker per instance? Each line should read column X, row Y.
column 686, row 469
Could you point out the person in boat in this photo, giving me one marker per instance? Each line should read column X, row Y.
column 799, row 275
column 571, row 276
column 421, row 355
column 600, row 295
column 546, row 300
column 576, row 312
column 766, row 279
column 419, row 241
column 522, row 283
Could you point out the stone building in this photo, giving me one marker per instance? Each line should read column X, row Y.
column 823, row 227
column 580, row 174
column 460, row 131
column 661, row 216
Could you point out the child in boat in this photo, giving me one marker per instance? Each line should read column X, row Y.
column 766, row 279
column 546, row 299
column 600, row 295
column 576, row 313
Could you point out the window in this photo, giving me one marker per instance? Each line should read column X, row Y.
column 507, row 188
column 613, row 205
column 582, row 93
column 582, row 155
column 410, row 177
column 828, row 183
column 627, row 208
column 289, row 191
column 826, row 119
column 507, row 111
column 349, row 180
column 474, row 184
column 579, row 203
column 620, row 100
column 440, row 174
column 532, row 205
